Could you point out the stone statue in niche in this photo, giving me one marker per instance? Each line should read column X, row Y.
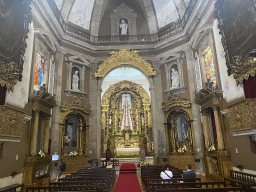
column 175, row 78
column 124, row 27
column 75, row 81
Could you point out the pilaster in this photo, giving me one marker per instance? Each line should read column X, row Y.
column 199, row 166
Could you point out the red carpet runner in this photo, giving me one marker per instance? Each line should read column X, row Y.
column 127, row 180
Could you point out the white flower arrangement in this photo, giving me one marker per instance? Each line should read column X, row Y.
column 41, row 153
column 183, row 149
column 73, row 153
column 143, row 163
column 212, row 148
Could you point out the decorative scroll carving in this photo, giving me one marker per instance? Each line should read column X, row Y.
column 42, row 101
column 15, row 17
column 8, row 75
column 125, row 56
column 11, row 122
column 242, row 115
column 238, row 37
column 208, row 98
column 77, row 104
column 175, row 101
column 243, row 68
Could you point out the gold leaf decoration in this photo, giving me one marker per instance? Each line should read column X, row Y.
column 243, row 68
column 125, row 57
column 11, row 122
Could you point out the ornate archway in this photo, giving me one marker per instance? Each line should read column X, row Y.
column 114, row 116
column 179, row 130
column 73, row 134
column 125, row 57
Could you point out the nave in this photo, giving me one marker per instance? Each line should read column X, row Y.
column 164, row 81
column 127, row 177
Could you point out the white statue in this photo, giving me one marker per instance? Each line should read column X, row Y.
column 75, row 81
column 123, row 27
column 175, row 78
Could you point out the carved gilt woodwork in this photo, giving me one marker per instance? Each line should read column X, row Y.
column 207, row 98
column 15, row 18
column 11, row 121
column 238, row 37
column 78, row 109
column 111, row 108
column 174, row 108
column 125, row 57
column 241, row 115
column 243, row 68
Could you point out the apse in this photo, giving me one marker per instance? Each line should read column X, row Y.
column 124, row 73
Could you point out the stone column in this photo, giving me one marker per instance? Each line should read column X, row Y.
column 78, row 138
column 196, row 117
column 205, row 127
column 69, row 77
column 47, row 134
column 61, row 139
column 34, row 135
column 137, row 121
column 168, row 74
column 157, row 112
column 55, row 129
column 86, row 140
column 82, row 78
column 42, row 134
column 81, row 138
column 218, row 128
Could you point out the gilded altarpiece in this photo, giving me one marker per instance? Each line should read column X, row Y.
column 216, row 157
column 241, row 115
column 36, row 170
column 78, row 111
column 179, row 130
column 116, row 134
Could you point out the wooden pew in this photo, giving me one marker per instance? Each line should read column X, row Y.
column 178, row 180
column 227, row 189
column 155, row 186
column 107, row 182
column 87, row 188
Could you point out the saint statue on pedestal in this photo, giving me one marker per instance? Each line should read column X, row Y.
column 75, row 81
column 175, row 78
column 124, row 27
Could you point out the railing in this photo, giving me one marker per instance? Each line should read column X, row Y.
column 72, row 31
column 12, row 188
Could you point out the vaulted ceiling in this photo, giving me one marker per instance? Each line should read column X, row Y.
column 88, row 14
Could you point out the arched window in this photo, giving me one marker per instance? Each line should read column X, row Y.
column 75, row 81
column 182, row 129
column 175, row 79
column 40, row 71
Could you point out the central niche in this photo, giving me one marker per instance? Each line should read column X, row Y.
column 126, row 119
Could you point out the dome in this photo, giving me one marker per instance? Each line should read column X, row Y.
column 89, row 14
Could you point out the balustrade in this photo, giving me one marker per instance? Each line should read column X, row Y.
column 82, row 35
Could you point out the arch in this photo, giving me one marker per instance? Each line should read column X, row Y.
column 125, row 56
column 99, row 9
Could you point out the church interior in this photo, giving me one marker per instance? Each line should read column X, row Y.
column 143, row 82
